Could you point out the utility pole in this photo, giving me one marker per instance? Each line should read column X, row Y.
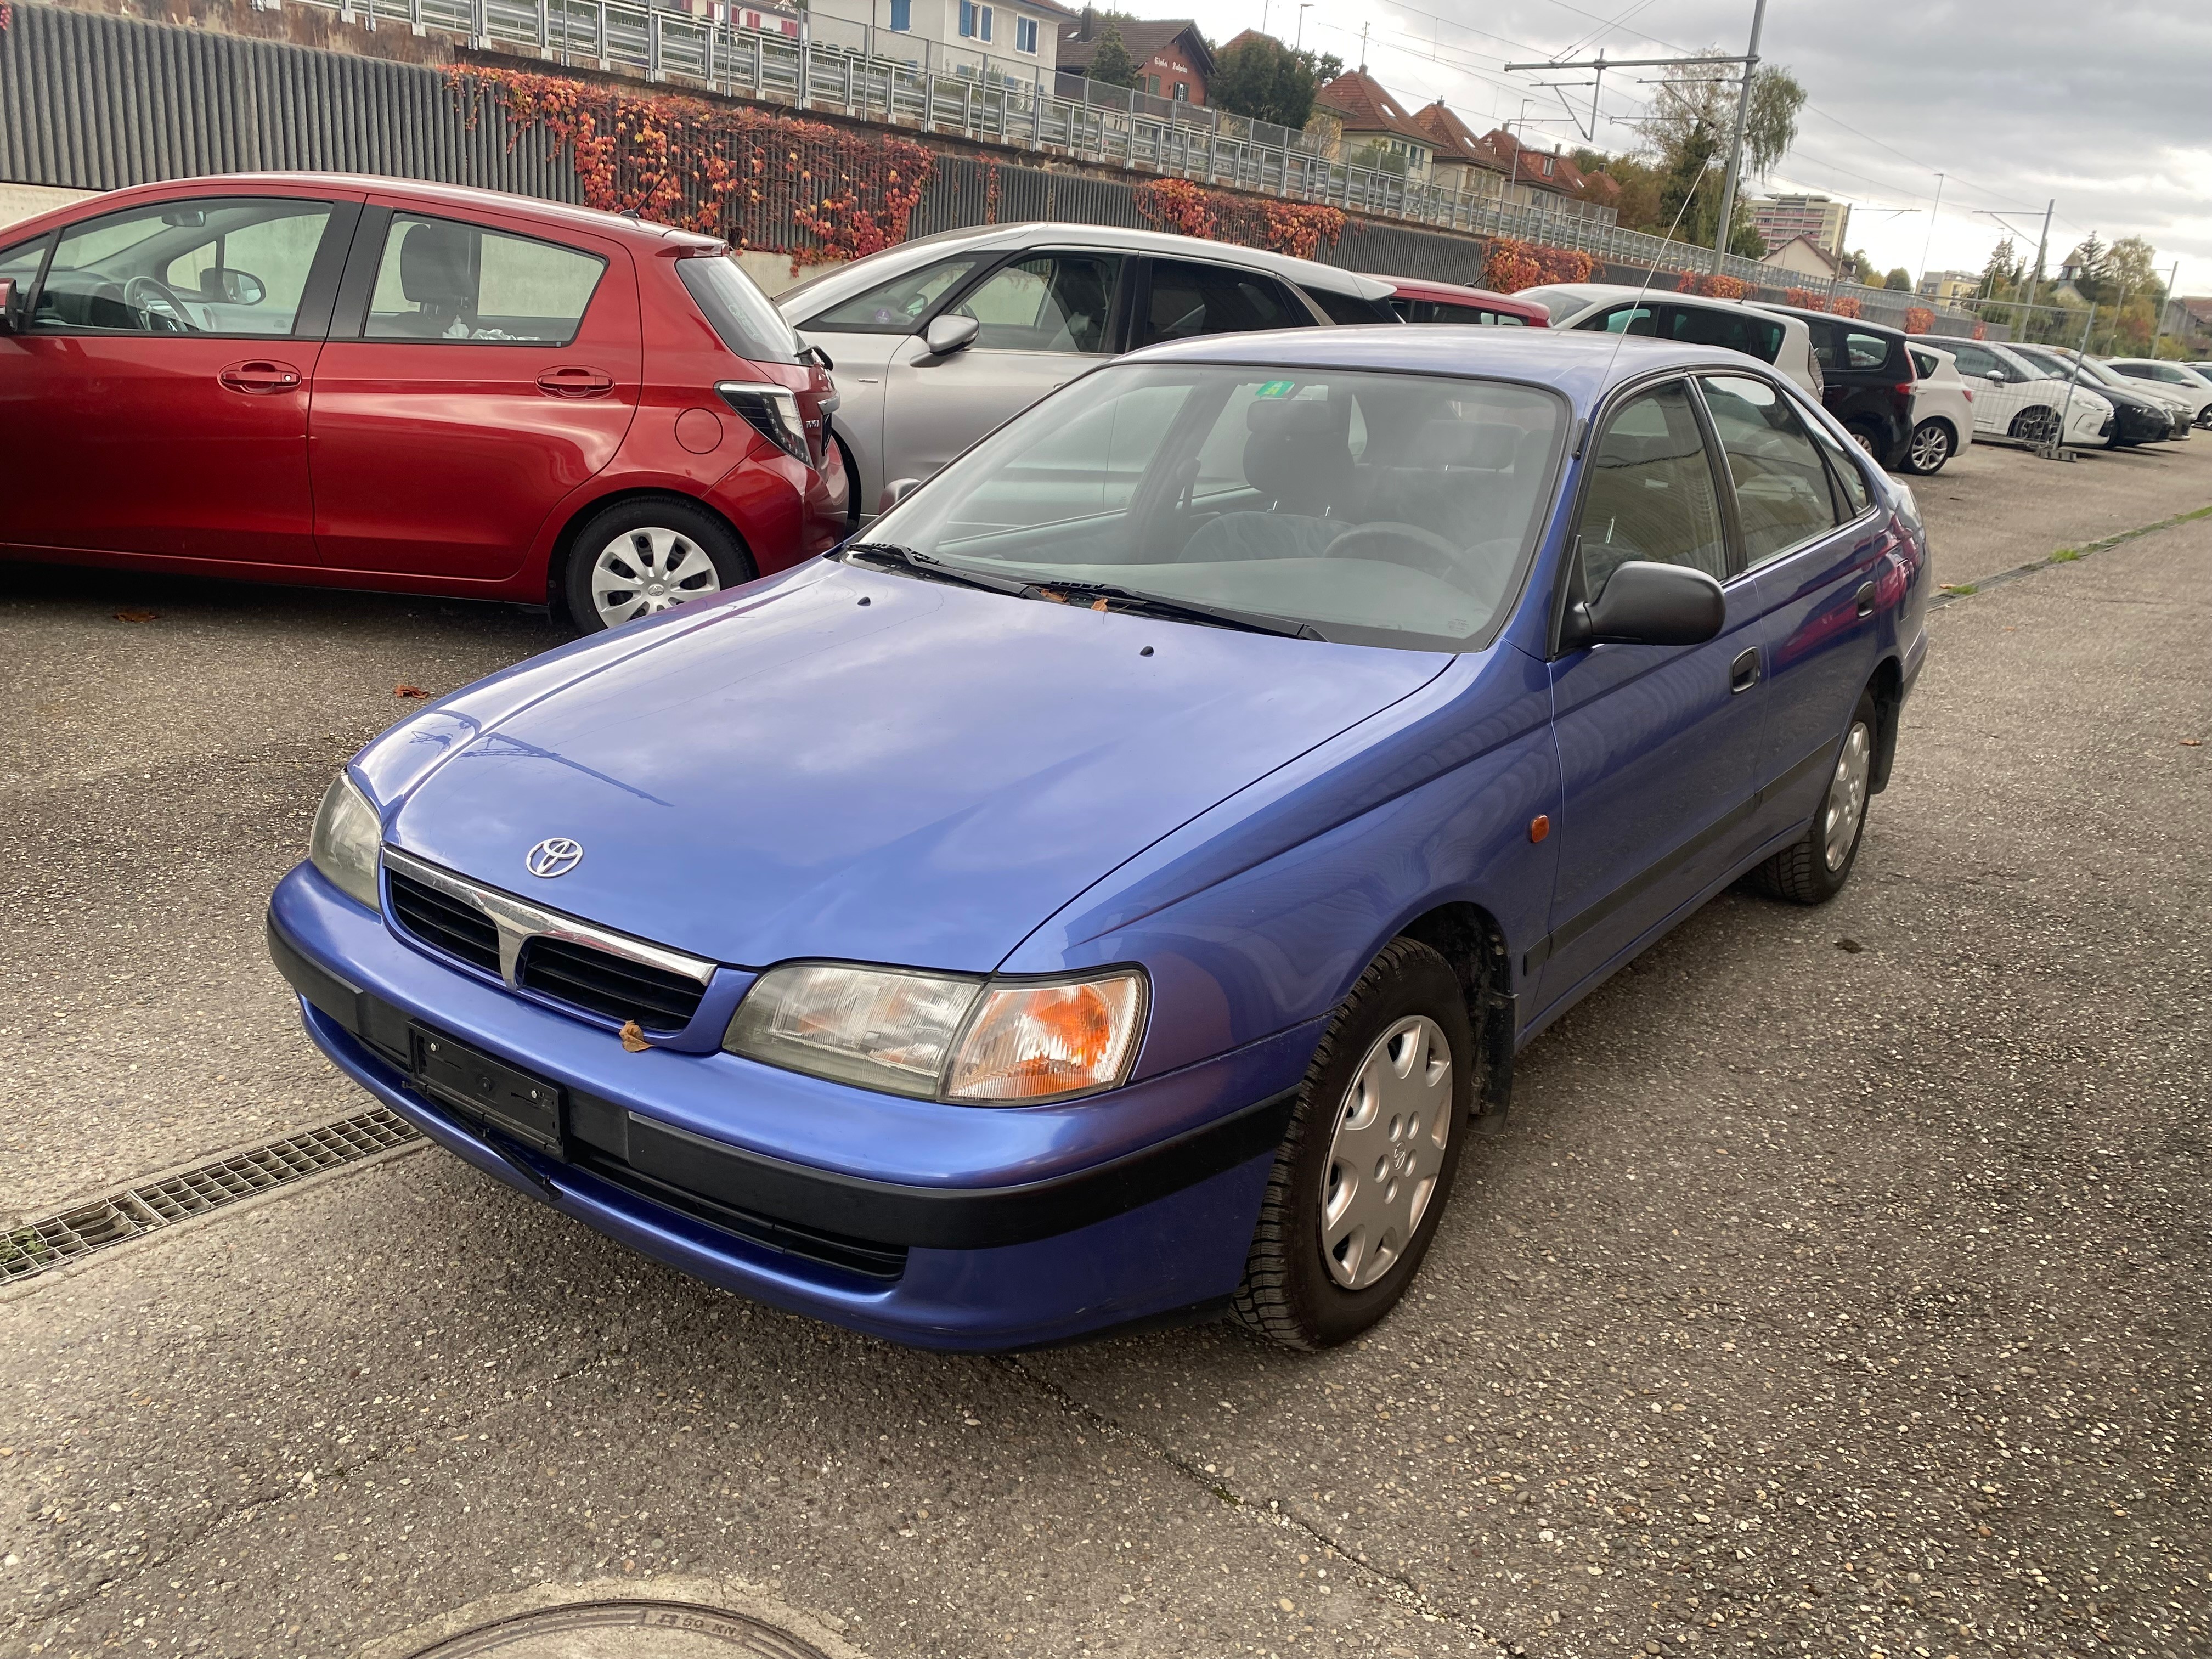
column 1362, row 48
column 2158, row 328
column 1736, row 148
column 1922, row 278
column 2035, row 276
column 1298, row 41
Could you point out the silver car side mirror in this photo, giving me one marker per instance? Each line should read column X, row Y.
column 946, row 335
column 896, row 491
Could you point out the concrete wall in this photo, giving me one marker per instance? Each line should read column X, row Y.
column 19, row 202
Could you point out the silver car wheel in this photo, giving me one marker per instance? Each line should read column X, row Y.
column 643, row 572
column 1392, row 1128
column 1847, row 796
column 1931, row 448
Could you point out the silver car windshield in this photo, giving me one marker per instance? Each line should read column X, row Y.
column 1374, row 509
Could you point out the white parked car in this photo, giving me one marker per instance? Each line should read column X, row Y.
column 1941, row 409
column 2023, row 402
column 2142, row 412
column 1769, row 336
column 2191, row 386
column 938, row 340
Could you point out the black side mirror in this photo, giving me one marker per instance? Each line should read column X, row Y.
column 1649, row 604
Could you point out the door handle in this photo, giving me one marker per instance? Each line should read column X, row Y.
column 259, row 377
column 1743, row 673
column 1866, row 599
column 576, row 382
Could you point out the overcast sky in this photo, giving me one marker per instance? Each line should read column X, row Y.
column 2103, row 104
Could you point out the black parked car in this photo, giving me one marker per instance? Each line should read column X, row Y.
column 2137, row 417
column 1866, row 377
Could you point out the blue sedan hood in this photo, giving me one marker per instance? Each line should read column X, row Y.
column 848, row 764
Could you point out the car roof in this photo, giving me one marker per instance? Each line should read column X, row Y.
column 864, row 274
column 452, row 197
column 1808, row 314
column 1583, row 367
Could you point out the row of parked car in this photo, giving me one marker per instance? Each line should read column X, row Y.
column 363, row 382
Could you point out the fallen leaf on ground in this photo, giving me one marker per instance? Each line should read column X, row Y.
column 633, row 1037
column 136, row 616
column 409, row 691
column 2192, row 743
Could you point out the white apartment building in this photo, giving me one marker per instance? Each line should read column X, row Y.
column 1016, row 39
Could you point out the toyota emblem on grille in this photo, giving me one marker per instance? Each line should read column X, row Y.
column 556, row 856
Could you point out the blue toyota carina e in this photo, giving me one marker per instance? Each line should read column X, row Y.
column 1112, row 889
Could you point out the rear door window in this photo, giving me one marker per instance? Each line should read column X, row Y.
column 1782, row 491
column 450, row 281
column 1863, row 351
column 1189, row 299
column 1735, row 331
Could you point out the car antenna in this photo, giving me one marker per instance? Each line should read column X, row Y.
column 1654, row 270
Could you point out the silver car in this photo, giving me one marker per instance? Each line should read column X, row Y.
column 940, row 339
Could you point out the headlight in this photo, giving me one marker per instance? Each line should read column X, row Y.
column 944, row 1036
column 771, row 411
column 347, row 840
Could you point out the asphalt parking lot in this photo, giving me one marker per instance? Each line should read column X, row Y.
column 1839, row 1284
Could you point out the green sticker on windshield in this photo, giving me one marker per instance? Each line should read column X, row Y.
column 1277, row 389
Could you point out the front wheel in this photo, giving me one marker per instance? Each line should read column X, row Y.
column 2036, row 426
column 1928, row 449
column 1814, row 869
column 641, row 557
column 1367, row 1164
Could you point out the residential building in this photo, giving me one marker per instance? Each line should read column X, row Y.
column 1171, row 56
column 1464, row 163
column 1804, row 257
column 1548, row 180
column 1825, row 220
column 1018, row 38
column 1360, row 121
column 1949, row 287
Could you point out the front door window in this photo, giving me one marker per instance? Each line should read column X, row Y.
column 1051, row 302
column 234, row 266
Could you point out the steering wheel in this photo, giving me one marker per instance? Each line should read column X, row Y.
column 1392, row 543
column 154, row 301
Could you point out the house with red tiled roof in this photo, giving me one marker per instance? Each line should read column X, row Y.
column 1361, row 122
column 1549, row 180
column 1464, row 162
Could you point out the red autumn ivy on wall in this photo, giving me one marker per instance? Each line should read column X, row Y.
column 1300, row 228
column 757, row 180
column 1918, row 319
column 1512, row 266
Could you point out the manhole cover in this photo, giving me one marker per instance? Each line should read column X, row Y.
column 624, row 1630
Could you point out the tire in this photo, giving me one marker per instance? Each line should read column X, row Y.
column 1407, row 1008
column 1928, row 449
column 688, row 552
column 2040, row 426
column 1871, row 438
column 1814, row 869
column 851, row 483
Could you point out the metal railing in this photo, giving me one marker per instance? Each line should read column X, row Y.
column 906, row 81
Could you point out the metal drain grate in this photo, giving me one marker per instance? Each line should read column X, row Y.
column 29, row 1250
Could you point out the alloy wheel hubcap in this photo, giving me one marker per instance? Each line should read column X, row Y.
column 644, row 572
column 1847, row 796
column 1930, row 447
column 1392, row 1127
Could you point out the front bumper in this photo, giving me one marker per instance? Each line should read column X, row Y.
column 960, row 1227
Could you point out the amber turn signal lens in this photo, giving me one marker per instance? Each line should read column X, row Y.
column 1038, row 1042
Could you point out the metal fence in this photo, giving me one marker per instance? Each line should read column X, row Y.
column 95, row 101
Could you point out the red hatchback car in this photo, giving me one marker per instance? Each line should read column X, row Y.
column 370, row 383
column 1416, row 300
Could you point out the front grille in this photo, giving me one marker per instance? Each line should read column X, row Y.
column 443, row 922
column 657, row 1000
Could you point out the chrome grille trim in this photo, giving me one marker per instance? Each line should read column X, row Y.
column 518, row 921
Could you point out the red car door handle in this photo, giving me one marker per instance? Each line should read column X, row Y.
column 260, row 377
column 575, row 382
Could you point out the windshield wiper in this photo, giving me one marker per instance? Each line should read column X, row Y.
column 895, row 558
column 1220, row 615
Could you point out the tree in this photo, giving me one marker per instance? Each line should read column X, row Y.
column 1859, row 269
column 1691, row 124
column 1110, row 61
column 1637, row 206
column 1899, row 279
column 1265, row 80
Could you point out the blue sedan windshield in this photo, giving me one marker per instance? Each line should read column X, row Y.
column 1378, row 508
